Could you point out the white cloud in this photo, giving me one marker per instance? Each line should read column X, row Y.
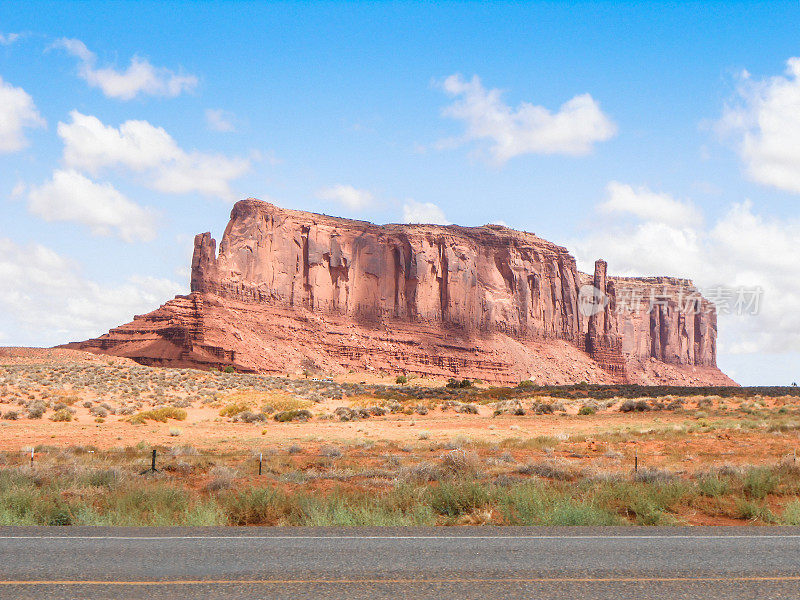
column 348, row 196
column 52, row 303
column 18, row 190
column 423, row 212
column 528, row 129
column 741, row 250
column 70, row 196
column 644, row 204
column 9, row 38
column 766, row 121
column 149, row 151
column 219, row 120
column 17, row 112
column 139, row 78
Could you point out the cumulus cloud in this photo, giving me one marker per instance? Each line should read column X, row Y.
column 765, row 120
column 219, row 120
column 142, row 148
column 423, row 212
column 9, row 38
column 527, row 129
column 140, row 77
column 52, row 303
column 17, row 112
column 651, row 206
column 742, row 250
column 347, row 196
column 70, row 196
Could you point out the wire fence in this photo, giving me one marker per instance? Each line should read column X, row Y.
column 186, row 460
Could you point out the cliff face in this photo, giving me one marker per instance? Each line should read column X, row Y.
column 291, row 290
column 474, row 279
column 640, row 323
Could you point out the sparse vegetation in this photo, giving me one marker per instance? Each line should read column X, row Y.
column 499, row 468
column 159, row 414
column 453, row 490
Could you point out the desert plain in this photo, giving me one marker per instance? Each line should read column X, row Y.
column 78, row 431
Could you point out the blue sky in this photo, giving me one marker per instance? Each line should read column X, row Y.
column 658, row 136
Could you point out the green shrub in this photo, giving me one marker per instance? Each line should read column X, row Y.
column 634, row 406
column 587, row 409
column 454, row 499
column 791, row 514
column 455, row 383
column 106, row 478
column 401, row 380
column 713, row 486
column 752, row 511
column 759, row 481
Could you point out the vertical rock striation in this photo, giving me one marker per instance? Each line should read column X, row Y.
column 291, row 289
column 471, row 279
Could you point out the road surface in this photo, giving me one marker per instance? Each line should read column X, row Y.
column 481, row 563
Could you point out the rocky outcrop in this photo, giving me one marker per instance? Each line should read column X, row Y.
column 291, row 290
column 603, row 337
column 469, row 279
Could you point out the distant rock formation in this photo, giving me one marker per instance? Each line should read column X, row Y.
column 292, row 290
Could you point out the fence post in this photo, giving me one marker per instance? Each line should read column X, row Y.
column 32, row 458
column 260, row 459
column 152, row 468
column 636, row 461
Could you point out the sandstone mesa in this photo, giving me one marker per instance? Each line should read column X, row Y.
column 291, row 291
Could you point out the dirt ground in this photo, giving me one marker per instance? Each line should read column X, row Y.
column 103, row 393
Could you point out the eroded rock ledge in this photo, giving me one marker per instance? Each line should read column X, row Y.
column 292, row 290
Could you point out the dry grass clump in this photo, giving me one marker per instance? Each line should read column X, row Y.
column 61, row 415
column 234, row 409
column 36, row 410
column 249, row 416
column 330, row 451
column 158, row 414
column 460, row 462
column 547, row 469
column 653, row 475
column 292, row 415
column 222, row 478
column 423, row 472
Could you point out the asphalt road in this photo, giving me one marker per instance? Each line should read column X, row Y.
column 485, row 563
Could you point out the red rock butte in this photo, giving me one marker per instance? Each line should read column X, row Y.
column 292, row 291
